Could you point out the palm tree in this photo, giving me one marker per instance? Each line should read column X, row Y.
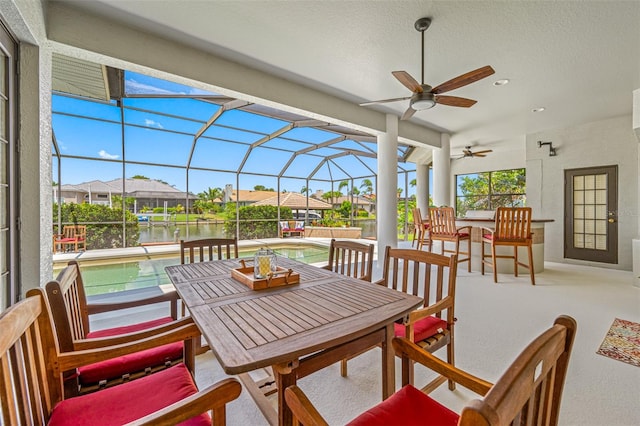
column 367, row 185
column 210, row 194
column 305, row 190
column 343, row 184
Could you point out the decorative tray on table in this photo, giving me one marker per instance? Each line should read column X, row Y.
column 282, row 276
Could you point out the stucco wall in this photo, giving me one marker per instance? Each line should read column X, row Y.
column 600, row 143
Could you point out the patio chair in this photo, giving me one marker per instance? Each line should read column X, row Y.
column 528, row 393
column 420, row 229
column 71, row 311
column 202, row 250
column 351, row 259
column 72, row 237
column 442, row 222
column 433, row 277
column 32, row 369
column 290, row 227
column 512, row 229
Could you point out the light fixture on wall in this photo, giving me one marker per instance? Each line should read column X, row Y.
column 552, row 150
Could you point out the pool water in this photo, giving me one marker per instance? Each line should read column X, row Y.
column 121, row 276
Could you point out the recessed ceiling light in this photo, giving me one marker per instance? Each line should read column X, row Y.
column 540, row 109
column 501, row 82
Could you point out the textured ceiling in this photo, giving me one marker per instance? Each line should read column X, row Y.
column 578, row 59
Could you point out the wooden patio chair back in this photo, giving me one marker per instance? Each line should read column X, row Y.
column 442, row 221
column 528, row 393
column 70, row 312
column 421, row 229
column 204, row 249
column 351, row 258
column 512, row 229
column 430, row 276
column 513, row 224
column 442, row 227
column 31, row 378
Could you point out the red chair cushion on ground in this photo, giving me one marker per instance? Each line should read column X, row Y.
column 129, row 401
column 138, row 361
column 407, row 407
column 422, row 329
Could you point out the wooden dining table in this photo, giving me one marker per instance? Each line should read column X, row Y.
column 294, row 329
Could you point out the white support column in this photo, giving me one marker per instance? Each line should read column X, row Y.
column 422, row 187
column 636, row 241
column 442, row 172
column 387, row 195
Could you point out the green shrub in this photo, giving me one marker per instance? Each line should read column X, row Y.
column 255, row 221
column 104, row 224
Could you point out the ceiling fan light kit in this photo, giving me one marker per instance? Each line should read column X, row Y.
column 425, row 96
column 422, row 101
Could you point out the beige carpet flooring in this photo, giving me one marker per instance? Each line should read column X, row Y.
column 494, row 323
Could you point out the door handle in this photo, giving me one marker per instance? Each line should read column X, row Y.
column 611, row 220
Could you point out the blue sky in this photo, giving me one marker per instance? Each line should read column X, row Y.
column 160, row 131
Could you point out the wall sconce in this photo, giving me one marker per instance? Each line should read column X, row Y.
column 552, row 150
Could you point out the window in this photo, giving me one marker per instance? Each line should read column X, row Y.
column 490, row 190
column 9, row 288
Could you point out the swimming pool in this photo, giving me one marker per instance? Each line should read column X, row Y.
column 100, row 278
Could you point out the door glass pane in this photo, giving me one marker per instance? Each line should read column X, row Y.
column 578, row 183
column 601, row 181
column 589, row 182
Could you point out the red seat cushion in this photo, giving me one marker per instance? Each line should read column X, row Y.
column 407, row 407
column 488, row 236
column 66, row 240
column 129, row 401
column 463, row 235
column 422, row 329
column 131, row 363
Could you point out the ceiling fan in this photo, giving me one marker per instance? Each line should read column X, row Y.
column 424, row 96
column 466, row 153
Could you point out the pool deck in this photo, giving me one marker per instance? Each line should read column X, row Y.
column 172, row 250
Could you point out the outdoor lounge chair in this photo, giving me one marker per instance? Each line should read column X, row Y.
column 32, row 369
column 73, row 237
column 528, row 393
column 70, row 312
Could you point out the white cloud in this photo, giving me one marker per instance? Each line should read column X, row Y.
column 152, row 123
column 104, row 154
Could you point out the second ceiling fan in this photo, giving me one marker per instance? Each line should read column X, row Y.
column 424, row 96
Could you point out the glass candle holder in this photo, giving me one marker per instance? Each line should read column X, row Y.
column 264, row 262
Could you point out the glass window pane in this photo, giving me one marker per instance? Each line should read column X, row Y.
column 589, row 182
column 578, row 212
column 601, row 181
column 601, row 242
column 601, row 227
column 578, row 240
column 578, row 197
column 601, row 197
column 578, row 182
column 589, row 197
column 589, row 241
column 578, row 225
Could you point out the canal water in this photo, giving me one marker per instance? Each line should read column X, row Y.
column 175, row 232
